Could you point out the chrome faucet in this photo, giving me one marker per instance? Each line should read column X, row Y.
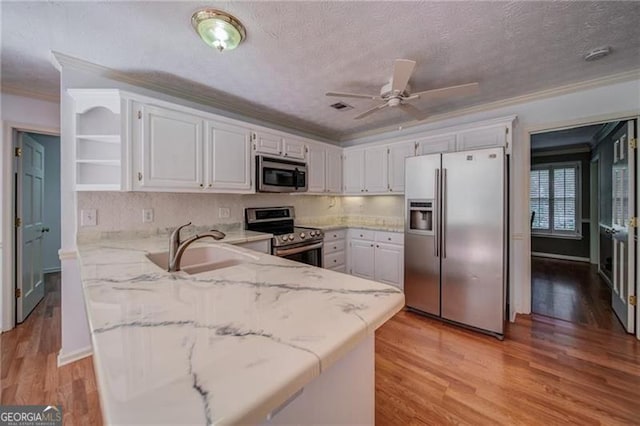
column 177, row 247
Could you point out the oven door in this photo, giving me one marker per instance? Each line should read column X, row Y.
column 311, row 254
column 280, row 175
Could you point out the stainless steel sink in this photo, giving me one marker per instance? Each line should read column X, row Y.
column 202, row 259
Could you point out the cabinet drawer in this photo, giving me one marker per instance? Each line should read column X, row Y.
column 334, row 259
column 333, row 246
column 390, row 237
column 338, row 234
column 363, row 234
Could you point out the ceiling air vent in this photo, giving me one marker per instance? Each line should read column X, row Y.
column 341, row 106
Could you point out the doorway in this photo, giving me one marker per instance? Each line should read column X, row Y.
column 575, row 259
column 37, row 219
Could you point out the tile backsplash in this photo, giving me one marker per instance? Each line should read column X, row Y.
column 122, row 211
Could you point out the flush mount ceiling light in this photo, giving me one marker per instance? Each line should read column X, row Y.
column 218, row 29
column 598, row 53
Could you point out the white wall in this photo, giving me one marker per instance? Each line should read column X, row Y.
column 27, row 114
column 590, row 104
column 51, row 215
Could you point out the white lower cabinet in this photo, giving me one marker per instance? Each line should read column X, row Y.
column 377, row 255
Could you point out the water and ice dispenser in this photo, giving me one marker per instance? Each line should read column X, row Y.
column 421, row 216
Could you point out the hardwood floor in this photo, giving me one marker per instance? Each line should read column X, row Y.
column 29, row 372
column 546, row 371
column 572, row 291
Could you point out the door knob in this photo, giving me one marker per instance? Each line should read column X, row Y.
column 45, row 229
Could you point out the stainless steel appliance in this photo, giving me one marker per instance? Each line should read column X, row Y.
column 291, row 242
column 455, row 237
column 278, row 175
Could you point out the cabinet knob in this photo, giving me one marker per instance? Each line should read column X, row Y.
column 362, row 190
column 210, row 185
column 335, row 247
column 366, row 190
column 389, row 238
column 286, row 154
column 377, row 246
column 371, row 245
column 360, row 235
column 335, row 261
column 201, row 185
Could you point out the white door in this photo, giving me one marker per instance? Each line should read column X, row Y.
column 353, row 175
column 30, row 233
column 397, row 154
column 267, row 143
column 375, row 169
column 172, row 150
column 362, row 259
column 388, row 262
column 294, row 149
column 334, row 171
column 229, row 157
column 623, row 204
column 316, row 163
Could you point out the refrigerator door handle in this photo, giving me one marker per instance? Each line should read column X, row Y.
column 444, row 213
column 436, row 243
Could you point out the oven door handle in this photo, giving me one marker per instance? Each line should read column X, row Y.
column 288, row 252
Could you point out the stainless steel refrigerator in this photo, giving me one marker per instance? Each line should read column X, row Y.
column 455, row 237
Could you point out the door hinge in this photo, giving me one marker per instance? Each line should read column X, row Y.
column 388, row 150
column 18, row 152
column 633, row 300
column 633, row 143
column 306, row 149
column 506, row 131
column 139, row 176
column 633, row 222
column 18, row 222
column 18, row 293
column 139, row 115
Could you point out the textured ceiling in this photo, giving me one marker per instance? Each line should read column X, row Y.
column 296, row 51
column 584, row 135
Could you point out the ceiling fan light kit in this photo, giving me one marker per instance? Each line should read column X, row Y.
column 218, row 29
column 397, row 92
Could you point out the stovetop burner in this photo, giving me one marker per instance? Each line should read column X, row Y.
column 279, row 222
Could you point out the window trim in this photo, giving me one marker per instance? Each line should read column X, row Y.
column 551, row 233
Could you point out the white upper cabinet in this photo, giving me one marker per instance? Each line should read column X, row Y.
column 268, row 143
column 229, row 157
column 375, row 169
column 317, row 168
column 397, row 154
column 171, row 150
column 483, row 137
column 436, row 144
column 353, row 175
column 294, row 149
column 333, row 169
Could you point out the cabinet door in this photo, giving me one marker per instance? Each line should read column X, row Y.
column 268, row 143
column 317, row 166
column 229, row 157
column 436, row 144
column 389, row 261
column 397, row 155
column 294, row 149
column 375, row 169
column 353, row 175
column 485, row 137
column 362, row 259
column 172, row 150
column 334, row 171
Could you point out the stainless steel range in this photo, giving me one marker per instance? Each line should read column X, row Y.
column 291, row 242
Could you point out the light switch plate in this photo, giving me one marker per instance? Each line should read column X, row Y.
column 224, row 212
column 88, row 217
column 147, row 215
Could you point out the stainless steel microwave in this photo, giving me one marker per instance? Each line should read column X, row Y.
column 278, row 175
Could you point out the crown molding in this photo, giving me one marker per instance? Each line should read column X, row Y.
column 30, row 93
column 529, row 97
column 225, row 107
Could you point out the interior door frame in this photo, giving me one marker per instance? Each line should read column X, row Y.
column 526, row 134
column 594, row 211
column 10, row 131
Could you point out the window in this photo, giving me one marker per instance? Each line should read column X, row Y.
column 554, row 197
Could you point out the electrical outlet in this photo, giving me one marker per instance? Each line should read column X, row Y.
column 88, row 217
column 224, row 213
column 147, row 215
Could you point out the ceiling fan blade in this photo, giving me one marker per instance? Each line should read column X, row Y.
column 445, row 92
column 351, row 95
column 416, row 113
column 402, row 70
column 370, row 111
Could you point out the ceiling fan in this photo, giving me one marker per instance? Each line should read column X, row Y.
column 397, row 93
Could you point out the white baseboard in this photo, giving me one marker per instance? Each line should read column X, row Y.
column 64, row 359
column 561, row 257
column 50, row 270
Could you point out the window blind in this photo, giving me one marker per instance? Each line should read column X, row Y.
column 554, row 197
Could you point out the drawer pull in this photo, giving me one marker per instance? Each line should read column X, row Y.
column 335, row 247
column 335, row 260
column 360, row 235
column 389, row 239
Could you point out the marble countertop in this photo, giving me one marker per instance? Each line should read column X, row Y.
column 221, row 347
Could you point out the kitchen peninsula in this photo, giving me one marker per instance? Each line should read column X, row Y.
column 265, row 341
